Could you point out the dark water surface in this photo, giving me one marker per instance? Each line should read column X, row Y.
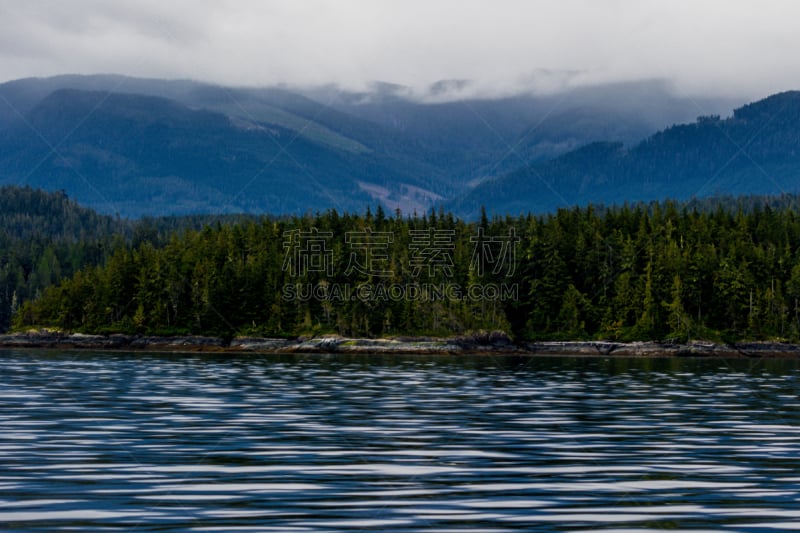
column 136, row 442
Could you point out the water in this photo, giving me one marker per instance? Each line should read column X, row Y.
column 134, row 442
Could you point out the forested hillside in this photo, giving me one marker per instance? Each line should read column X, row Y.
column 157, row 147
column 756, row 151
column 715, row 271
column 45, row 237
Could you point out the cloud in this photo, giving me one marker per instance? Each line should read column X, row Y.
column 703, row 46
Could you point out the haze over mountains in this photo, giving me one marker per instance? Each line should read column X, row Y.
column 756, row 151
column 139, row 146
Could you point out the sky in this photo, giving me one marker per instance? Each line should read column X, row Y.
column 701, row 47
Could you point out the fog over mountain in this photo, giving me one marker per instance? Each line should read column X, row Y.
column 755, row 151
column 705, row 48
column 146, row 146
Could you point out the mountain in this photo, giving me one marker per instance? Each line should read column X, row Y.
column 755, row 151
column 137, row 155
column 477, row 139
column 216, row 149
column 151, row 147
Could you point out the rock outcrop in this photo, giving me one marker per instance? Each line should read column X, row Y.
column 495, row 343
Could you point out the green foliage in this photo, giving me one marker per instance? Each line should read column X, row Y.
column 44, row 238
column 661, row 271
column 230, row 279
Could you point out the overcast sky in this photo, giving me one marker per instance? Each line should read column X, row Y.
column 736, row 48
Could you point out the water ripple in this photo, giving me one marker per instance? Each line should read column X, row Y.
column 308, row 443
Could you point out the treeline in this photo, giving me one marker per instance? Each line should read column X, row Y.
column 658, row 271
column 44, row 238
column 260, row 278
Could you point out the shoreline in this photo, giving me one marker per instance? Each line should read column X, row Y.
column 497, row 344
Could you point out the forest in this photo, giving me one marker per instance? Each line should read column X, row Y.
column 46, row 237
column 723, row 269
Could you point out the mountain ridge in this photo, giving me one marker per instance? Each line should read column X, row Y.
column 755, row 151
column 189, row 147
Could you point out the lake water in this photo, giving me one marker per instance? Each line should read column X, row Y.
column 138, row 442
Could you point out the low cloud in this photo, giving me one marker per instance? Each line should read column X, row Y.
column 702, row 47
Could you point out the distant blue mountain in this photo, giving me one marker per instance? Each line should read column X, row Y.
column 141, row 146
column 756, row 151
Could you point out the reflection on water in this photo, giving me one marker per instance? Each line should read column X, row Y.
column 307, row 443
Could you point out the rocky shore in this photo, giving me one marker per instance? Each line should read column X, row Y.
column 494, row 343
